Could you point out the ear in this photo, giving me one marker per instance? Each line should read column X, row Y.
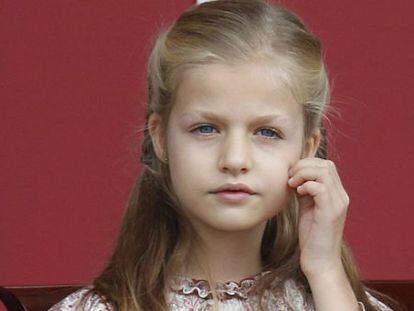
column 312, row 144
column 155, row 131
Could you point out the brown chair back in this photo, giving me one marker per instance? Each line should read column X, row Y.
column 37, row 298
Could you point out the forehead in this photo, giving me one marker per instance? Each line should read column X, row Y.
column 253, row 88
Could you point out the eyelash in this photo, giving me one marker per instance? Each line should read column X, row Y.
column 278, row 136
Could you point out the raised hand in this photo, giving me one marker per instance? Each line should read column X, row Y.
column 323, row 206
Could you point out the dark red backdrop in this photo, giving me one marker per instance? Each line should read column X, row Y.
column 72, row 83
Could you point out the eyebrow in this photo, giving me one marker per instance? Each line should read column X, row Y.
column 259, row 119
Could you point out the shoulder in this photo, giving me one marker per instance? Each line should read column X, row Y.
column 83, row 299
column 296, row 296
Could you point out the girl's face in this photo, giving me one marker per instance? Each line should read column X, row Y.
column 233, row 125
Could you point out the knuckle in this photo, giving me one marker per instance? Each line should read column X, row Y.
column 346, row 196
column 330, row 163
column 347, row 199
column 325, row 170
column 323, row 188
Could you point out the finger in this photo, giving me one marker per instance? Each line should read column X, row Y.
column 317, row 190
column 334, row 172
column 306, row 162
column 323, row 199
column 311, row 188
column 320, row 174
column 324, row 165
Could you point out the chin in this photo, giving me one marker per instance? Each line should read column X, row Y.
column 233, row 225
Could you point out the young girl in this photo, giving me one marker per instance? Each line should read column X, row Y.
column 237, row 206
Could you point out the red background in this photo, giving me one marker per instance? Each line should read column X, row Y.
column 72, row 83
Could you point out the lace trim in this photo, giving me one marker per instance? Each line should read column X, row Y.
column 225, row 290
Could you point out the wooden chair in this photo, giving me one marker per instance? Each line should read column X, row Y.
column 34, row 298
column 10, row 301
column 41, row 298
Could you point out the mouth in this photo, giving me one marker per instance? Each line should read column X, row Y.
column 234, row 187
column 232, row 197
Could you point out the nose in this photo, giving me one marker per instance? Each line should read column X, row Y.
column 235, row 155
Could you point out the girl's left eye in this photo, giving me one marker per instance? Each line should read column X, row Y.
column 270, row 131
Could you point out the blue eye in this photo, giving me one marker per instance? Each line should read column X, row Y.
column 270, row 131
column 203, row 127
column 206, row 129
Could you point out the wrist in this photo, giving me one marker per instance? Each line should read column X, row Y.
column 331, row 286
column 325, row 271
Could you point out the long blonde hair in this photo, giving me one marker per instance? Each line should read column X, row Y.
column 155, row 235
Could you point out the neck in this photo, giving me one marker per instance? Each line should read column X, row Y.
column 227, row 255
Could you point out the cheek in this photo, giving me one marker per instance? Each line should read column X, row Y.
column 187, row 157
column 185, row 153
column 294, row 158
column 276, row 191
column 281, row 163
column 275, row 174
column 188, row 166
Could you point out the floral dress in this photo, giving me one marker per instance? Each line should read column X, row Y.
column 192, row 294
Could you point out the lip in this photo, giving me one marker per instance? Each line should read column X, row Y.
column 233, row 193
column 232, row 197
column 237, row 187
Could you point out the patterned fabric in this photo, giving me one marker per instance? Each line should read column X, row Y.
column 191, row 294
column 93, row 302
column 188, row 294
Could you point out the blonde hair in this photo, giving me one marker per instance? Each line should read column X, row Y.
column 155, row 235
